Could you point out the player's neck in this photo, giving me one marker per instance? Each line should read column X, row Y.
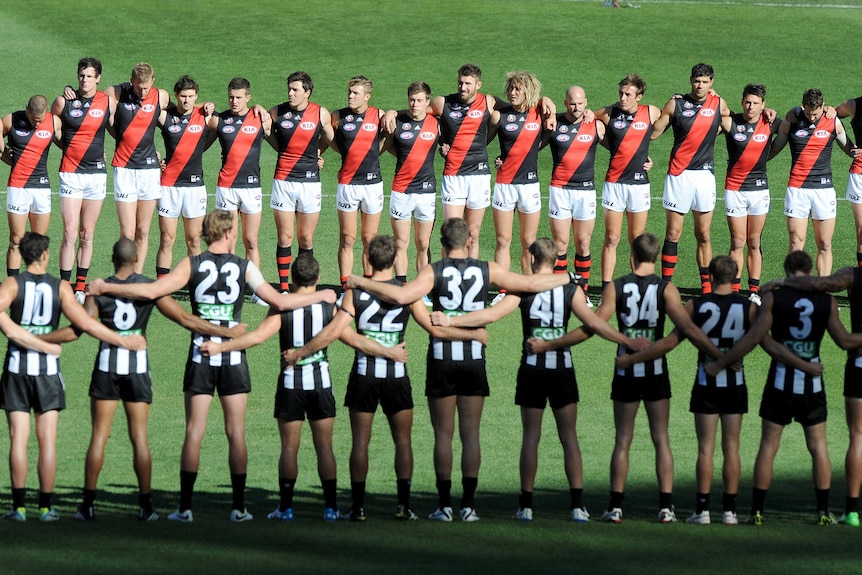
column 644, row 269
column 89, row 94
column 37, row 268
column 572, row 119
column 298, row 108
column 420, row 117
column 359, row 109
column 382, row 275
column 305, row 289
column 722, row 289
column 696, row 99
column 124, row 272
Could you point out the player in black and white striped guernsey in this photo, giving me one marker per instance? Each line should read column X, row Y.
column 31, row 378
column 548, row 375
column 304, row 387
column 216, row 281
column 120, row 374
column 798, row 321
column 456, row 377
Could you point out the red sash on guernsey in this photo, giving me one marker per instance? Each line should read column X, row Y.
column 809, row 155
column 737, row 173
column 701, row 127
column 80, row 142
column 574, row 156
column 239, row 149
column 136, row 130
column 416, row 157
column 463, row 140
column 629, row 145
column 30, row 157
column 361, row 145
column 185, row 148
column 298, row 142
column 524, row 143
column 856, row 166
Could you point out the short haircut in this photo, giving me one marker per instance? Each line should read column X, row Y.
column 454, row 234
column 125, row 253
column 417, row 88
column 702, row 69
column 216, row 224
column 470, row 70
column 239, row 84
column 797, row 261
column 381, row 252
column 544, row 252
column 142, row 72
column 37, row 104
column 186, row 82
column 758, row 90
column 32, row 247
column 812, row 98
column 85, row 63
column 305, row 270
column 645, row 248
column 303, row 77
column 633, row 80
column 528, row 82
column 366, row 84
column 723, row 269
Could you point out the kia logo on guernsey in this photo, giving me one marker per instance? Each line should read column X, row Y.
column 707, row 112
column 96, row 113
column 531, row 126
column 821, row 134
column 249, row 130
column 195, row 129
column 759, row 138
column 43, row 134
column 585, row 138
column 475, row 114
column 148, row 108
column 369, row 127
column 639, row 126
column 306, row 126
column 427, row 135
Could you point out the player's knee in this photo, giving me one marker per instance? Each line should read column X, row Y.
column 347, row 241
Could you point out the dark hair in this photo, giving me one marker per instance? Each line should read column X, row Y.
column 239, row 84
column 544, row 252
column 702, row 69
column 125, row 253
column 381, row 252
column 306, row 270
column 85, row 63
column 645, row 248
column 758, row 90
column 303, row 77
column 633, row 80
column 186, row 82
column 797, row 261
column 418, row 87
column 216, row 223
column 32, row 247
column 812, row 98
column 470, row 70
column 723, row 269
column 454, row 234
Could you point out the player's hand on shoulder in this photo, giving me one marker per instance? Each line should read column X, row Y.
column 389, row 123
column 208, row 109
column 444, row 150
column 328, row 296
column 589, row 116
column 69, row 93
column 768, row 287
column 95, row 287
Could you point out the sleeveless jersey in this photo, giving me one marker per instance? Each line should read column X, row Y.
column 298, row 136
column 465, row 128
column 573, row 148
column 386, row 324
column 811, row 152
column 546, row 316
column 135, row 122
column 358, row 139
column 216, row 288
column 414, row 143
column 84, row 122
column 799, row 320
column 298, row 327
column 628, row 137
column 695, row 125
column 641, row 313
column 724, row 319
column 184, row 136
column 856, row 126
column 747, row 150
column 854, row 294
column 240, row 138
column 29, row 147
column 126, row 317
column 519, row 135
column 36, row 308
column 460, row 286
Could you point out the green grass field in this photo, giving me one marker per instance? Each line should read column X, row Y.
column 789, row 46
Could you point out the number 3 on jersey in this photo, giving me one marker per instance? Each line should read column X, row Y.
column 461, row 290
column 637, row 309
column 229, row 273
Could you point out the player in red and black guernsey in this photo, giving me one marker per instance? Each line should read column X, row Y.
column 119, row 374
column 240, row 131
column 297, row 128
column 690, row 181
column 84, row 114
column 414, row 187
column 852, row 109
column 28, row 190
column 628, row 128
column 456, row 377
column 746, row 189
column 134, row 115
column 642, row 301
column 31, row 377
column 216, row 281
column 797, row 320
column 184, row 131
column 358, row 139
column 810, row 190
column 572, row 192
column 547, row 376
column 517, row 181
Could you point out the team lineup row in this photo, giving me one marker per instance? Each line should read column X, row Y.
column 461, row 125
column 724, row 326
